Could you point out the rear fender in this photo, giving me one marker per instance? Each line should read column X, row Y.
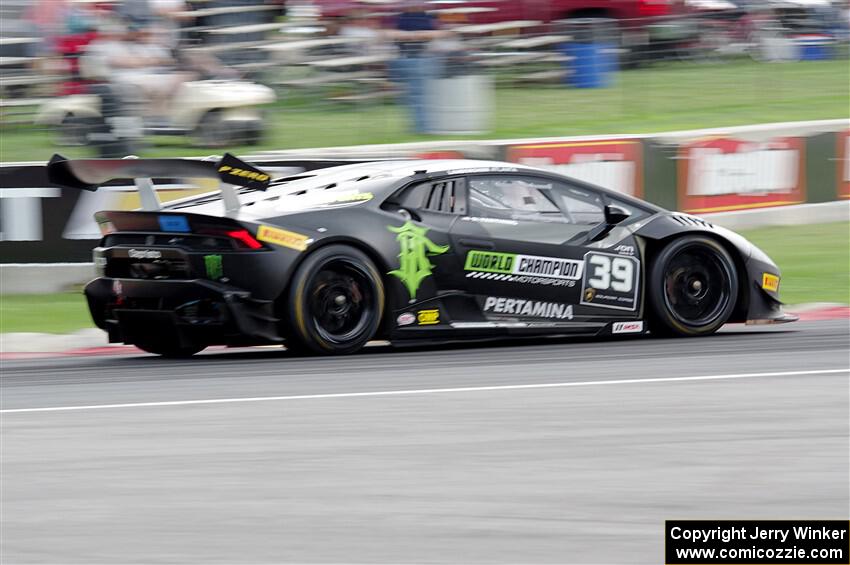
column 370, row 252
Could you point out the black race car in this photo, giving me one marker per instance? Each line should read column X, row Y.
column 412, row 251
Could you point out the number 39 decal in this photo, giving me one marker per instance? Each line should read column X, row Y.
column 610, row 281
column 614, row 273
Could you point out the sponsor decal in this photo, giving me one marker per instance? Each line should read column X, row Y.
column 212, row 263
column 720, row 174
column 478, row 220
column 627, row 327
column 529, row 269
column 527, row 308
column 612, row 163
column 548, row 267
column 428, row 317
column 405, row 319
column 353, row 197
column 414, row 250
column 284, row 238
column 625, row 249
column 490, row 262
column 174, row 224
column 770, row 282
column 234, row 171
column 242, row 173
column 610, row 281
column 144, row 254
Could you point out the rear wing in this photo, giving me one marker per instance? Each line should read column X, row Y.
column 90, row 174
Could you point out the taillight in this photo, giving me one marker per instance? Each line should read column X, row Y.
column 244, row 239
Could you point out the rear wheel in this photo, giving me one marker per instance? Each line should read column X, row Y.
column 692, row 287
column 171, row 350
column 336, row 301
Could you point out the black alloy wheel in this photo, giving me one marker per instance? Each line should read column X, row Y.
column 693, row 287
column 336, row 301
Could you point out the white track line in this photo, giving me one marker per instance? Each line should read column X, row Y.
column 426, row 391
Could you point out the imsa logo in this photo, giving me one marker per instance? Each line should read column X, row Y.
column 627, row 327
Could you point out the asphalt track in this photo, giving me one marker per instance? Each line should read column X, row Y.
column 543, row 452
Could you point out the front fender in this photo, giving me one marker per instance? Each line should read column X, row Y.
column 758, row 300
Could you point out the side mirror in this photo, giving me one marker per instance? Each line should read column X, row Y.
column 615, row 215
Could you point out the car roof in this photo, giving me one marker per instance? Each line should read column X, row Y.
column 406, row 167
column 383, row 176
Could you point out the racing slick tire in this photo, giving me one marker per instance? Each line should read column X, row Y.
column 335, row 302
column 693, row 286
column 169, row 350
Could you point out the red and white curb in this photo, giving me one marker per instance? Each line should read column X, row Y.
column 89, row 342
column 820, row 311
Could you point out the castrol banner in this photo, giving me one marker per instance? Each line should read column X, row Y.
column 722, row 174
column 616, row 164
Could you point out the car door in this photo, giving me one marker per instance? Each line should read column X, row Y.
column 527, row 255
column 428, row 268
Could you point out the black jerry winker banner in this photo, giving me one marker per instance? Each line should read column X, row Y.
column 757, row 542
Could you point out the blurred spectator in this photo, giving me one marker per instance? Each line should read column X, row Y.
column 417, row 65
column 131, row 61
column 169, row 14
column 136, row 12
column 360, row 24
column 47, row 20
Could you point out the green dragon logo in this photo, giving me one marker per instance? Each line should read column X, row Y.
column 414, row 249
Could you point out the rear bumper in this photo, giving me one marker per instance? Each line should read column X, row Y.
column 195, row 311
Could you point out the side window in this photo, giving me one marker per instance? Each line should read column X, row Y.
column 436, row 196
column 513, row 198
column 582, row 207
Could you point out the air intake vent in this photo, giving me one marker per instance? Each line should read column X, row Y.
column 687, row 220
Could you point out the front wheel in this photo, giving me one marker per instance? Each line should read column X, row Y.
column 336, row 301
column 692, row 289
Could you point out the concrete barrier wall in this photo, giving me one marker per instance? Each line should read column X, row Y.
column 43, row 278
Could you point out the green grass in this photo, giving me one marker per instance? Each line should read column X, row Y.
column 51, row 313
column 814, row 260
column 815, row 264
column 665, row 97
